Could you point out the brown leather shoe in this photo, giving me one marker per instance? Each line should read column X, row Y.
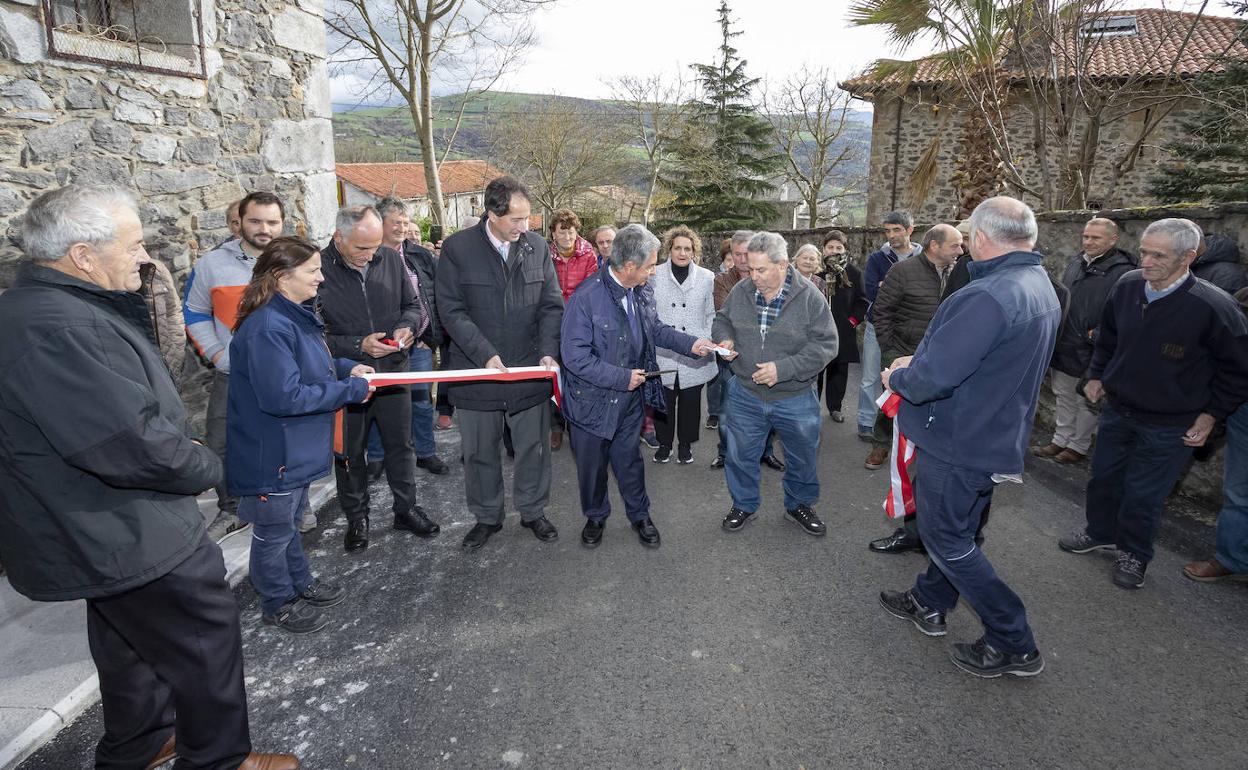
column 876, row 459
column 1211, row 571
column 1052, row 450
column 256, row 761
column 556, row 440
column 1069, row 457
column 167, row 752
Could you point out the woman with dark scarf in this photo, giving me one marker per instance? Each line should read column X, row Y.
column 849, row 308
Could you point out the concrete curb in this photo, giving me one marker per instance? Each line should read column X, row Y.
column 235, row 549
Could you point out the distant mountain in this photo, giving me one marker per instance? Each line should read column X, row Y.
column 364, row 133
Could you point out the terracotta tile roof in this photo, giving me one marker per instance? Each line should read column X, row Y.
column 1150, row 52
column 407, row 180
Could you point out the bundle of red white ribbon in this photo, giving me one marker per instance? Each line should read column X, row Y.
column 900, row 500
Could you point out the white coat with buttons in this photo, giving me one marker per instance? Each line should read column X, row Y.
column 689, row 308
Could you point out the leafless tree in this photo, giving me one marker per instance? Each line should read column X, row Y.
column 560, row 149
column 654, row 110
column 810, row 116
column 406, row 48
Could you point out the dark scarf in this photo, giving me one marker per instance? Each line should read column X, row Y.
column 836, row 275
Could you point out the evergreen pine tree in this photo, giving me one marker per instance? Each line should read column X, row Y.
column 724, row 158
column 1211, row 159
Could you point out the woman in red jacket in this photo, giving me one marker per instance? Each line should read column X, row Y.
column 574, row 257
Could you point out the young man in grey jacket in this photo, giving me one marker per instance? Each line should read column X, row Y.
column 782, row 336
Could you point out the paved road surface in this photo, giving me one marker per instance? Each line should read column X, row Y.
column 761, row 649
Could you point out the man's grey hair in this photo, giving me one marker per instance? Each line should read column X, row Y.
column 76, row 213
column 899, row 217
column 1110, row 225
column 390, row 204
column 742, row 236
column 350, row 216
column 593, row 237
column 1006, row 221
column 771, row 244
column 1184, row 234
column 633, row 243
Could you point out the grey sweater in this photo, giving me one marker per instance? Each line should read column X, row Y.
column 801, row 342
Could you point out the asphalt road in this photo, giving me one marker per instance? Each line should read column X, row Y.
column 761, row 649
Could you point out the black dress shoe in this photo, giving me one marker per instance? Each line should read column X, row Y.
column 983, row 660
column 375, row 470
column 898, row 542
column 902, row 604
column 718, row 462
column 542, row 529
column 591, row 534
column 647, row 533
column 357, row 535
column 433, row 464
column 772, row 462
column 805, row 517
column 736, row 519
column 416, row 522
column 479, row 534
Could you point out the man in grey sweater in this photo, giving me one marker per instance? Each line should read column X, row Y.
column 782, row 335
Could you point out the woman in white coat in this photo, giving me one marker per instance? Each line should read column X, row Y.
column 683, row 297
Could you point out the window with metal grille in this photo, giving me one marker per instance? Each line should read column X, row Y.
column 163, row 36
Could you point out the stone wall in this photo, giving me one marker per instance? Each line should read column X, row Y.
column 188, row 146
column 1059, row 240
column 897, row 147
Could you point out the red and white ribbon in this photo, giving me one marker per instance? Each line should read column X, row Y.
column 900, row 500
column 513, row 374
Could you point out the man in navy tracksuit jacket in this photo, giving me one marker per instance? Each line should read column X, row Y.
column 1171, row 359
column 969, row 399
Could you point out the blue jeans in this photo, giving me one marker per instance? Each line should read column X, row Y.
column 1134, row 467
column 725, row 374
column 1233, row 519
column 279, row 568
column 953, row 500
column 870, row 387
column 751, row 421
column 422, row 413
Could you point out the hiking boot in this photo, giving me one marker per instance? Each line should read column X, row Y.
column 1211, row 571
column 1080, row 541
column 297, row 616
column 806, row 518
column 322, row 594
column 1047, row 451
column 1069, row 457
column 1129, row 571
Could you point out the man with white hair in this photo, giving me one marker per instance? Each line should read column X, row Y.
column 781, row 329
column 607, row 339
column 968, row 398
column 98, row 484
column 1171, row 360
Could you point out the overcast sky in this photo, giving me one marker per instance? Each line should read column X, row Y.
column 583, row 42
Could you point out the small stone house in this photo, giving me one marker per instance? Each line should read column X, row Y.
column 189, row 103
column 919, row 109
column 463, row 186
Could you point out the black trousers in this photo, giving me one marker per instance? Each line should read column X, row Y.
column 391, row 409
column 622, row 454
column 170, row 658
column 684, row 415
column 837, row 377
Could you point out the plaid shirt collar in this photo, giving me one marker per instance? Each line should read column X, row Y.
column 769, row 311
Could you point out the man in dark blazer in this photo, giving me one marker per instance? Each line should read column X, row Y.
column 608, row 339
column 500, row 305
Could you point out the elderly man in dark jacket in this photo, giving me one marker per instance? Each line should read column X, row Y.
column 782, row 331
column 969, row 397
column 1089, row 277
column 373, row 315
column 500, row 304
column 98, row 477
column 610, row 330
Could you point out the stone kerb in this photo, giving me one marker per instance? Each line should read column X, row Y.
column 188, row 146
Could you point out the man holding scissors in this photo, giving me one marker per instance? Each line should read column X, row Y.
column 610, row 329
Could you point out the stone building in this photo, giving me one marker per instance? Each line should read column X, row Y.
column 463, row 186
column 918, row 109
column 190, row 103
